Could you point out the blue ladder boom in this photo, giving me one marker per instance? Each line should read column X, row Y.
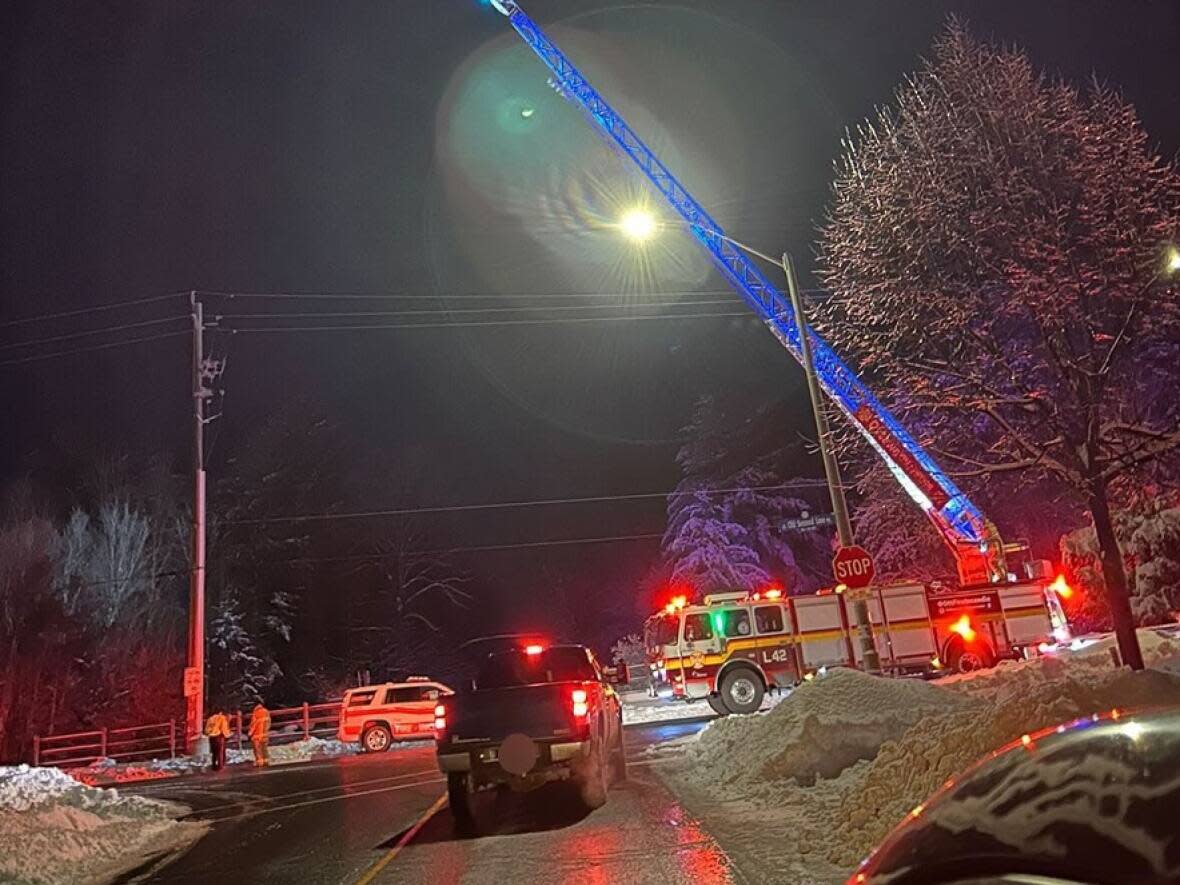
column 973, row 539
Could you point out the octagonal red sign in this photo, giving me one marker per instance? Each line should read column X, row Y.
column 853, row 567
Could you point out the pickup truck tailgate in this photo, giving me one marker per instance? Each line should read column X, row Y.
column 540, row 711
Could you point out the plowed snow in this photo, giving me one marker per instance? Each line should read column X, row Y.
column 831, row 770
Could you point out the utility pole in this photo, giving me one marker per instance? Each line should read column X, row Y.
column 860, row 608
column 194, row 675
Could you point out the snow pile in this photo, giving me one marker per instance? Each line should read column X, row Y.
column 54, row 829
column 828, row 725
column 847, row 756
column 313, row 748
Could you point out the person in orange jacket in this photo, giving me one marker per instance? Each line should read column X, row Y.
column 260, row 734
column 217, row 730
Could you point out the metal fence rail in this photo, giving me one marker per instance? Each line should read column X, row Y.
column 163, row 740
column 138, row 742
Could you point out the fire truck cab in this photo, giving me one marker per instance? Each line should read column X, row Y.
column 734, row 647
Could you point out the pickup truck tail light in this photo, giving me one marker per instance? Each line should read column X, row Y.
column 440, row 720
column 579, row 701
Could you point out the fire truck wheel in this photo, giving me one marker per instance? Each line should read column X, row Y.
column 742, row 691
column 964, row 658
column 592, row 779
column 376, row 739
column 459, row 795
column 717, row 705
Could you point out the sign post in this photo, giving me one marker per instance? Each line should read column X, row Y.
column 853, row 567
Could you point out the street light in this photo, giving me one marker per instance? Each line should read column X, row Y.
column 1172, row 263
column 638, row 225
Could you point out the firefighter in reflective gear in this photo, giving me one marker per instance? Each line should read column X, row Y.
column 260, row 734
column 217, row 730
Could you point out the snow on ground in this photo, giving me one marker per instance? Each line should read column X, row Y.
column 639, row 709
column 834, row 767
column 53, row 829
column 107, row 771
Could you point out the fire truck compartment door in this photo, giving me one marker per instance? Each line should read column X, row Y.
column 1025, row 613
column 908, row 616
column 821, row 635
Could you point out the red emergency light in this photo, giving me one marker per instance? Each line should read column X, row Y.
column 963, row 628
column 533, row 650
column 1061, row 587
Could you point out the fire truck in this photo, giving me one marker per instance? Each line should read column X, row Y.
column 732, row 648
column 990, row 591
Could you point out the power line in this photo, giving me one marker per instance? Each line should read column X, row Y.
column 479, row 323
column 101, row 331
column 510, row 505
column 445, row 311
column 94, row 309
column 482, row 548
column 442, row 296
column 107, row 346
column 466, row 296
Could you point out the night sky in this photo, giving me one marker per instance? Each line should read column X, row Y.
column 414, row 148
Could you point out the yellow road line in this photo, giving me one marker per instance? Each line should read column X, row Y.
column 371, row 873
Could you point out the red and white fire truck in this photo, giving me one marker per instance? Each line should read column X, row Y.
column 734, row 647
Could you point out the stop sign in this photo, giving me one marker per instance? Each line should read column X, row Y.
column 853, row 567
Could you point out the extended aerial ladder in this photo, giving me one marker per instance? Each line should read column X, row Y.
column 972, row 538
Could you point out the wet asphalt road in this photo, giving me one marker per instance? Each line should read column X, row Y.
column 341, row 820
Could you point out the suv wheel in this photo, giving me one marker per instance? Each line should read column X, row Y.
column 742, row 691
column 376, row 739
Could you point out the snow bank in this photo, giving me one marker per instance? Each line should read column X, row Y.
column 105, row 772
column 54, row 829
column 834, row 767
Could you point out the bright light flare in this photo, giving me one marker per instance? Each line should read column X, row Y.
column 1061, row 587
column 1172, row 262
column 579, row 699
column 1133, row 730
column 963, row 628
column 533, row 650
column 638, row 225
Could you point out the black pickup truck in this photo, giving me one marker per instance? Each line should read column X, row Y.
column 534, row 714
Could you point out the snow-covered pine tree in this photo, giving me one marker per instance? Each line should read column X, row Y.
column 995, row 246
column 241, row 671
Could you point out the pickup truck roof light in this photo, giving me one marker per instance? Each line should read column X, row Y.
column 533, row 650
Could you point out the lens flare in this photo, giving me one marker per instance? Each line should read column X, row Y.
column 638, row 225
